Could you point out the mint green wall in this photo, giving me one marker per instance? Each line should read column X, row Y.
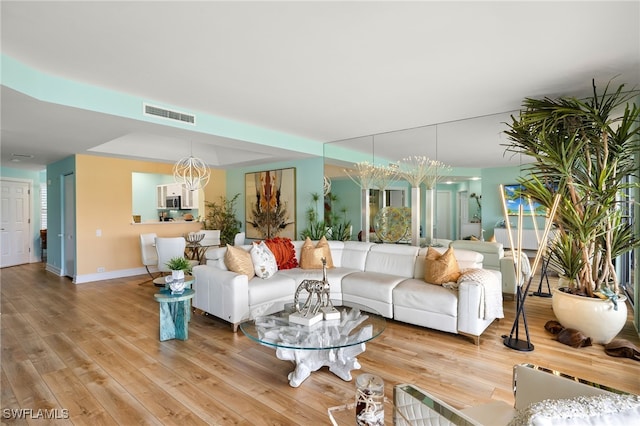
column 309, row 179
column 35, row 178
column 144, row 201
column 58, row 90
column 55, row 174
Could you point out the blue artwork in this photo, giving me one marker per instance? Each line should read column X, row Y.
column 515, row 196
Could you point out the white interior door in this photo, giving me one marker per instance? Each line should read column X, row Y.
column 69, row 226
column 15, row 219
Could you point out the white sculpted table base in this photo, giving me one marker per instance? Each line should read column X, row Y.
column 340, row 361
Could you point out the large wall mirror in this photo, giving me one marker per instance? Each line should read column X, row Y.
column 453, row 209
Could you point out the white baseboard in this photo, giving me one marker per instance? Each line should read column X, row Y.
column 109, row 275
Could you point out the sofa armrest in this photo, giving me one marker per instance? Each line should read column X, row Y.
column 221, row 293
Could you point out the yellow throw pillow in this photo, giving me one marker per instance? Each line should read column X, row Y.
column 441, row 268
column 311, row 256
column 492, row 239
column 239, row 261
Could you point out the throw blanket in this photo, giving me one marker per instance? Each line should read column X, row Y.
column 525, row 266
column 490, row 292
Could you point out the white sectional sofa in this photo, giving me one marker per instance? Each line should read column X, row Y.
column 385, row 277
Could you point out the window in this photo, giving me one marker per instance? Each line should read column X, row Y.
column 43, row 206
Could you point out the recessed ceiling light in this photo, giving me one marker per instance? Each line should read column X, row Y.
column 17, row 157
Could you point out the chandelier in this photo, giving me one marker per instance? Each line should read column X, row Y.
column 192, row 172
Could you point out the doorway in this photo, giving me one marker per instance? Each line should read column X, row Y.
column 69, row 225
column 15, row 218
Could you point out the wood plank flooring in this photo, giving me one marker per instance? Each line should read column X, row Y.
column 93, row 349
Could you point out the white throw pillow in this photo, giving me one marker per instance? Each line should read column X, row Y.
column 601, row 410
column 264, row 262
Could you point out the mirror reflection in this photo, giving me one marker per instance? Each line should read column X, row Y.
column 456, row 200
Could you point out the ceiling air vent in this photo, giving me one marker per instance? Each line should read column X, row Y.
column 168, row 114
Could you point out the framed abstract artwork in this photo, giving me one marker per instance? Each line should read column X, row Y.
column 515, row 196
column 270, row 206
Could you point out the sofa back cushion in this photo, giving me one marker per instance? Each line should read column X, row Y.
column 392, row 259
column 492, row 252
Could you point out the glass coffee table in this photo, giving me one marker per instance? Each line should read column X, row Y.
column 332, row 343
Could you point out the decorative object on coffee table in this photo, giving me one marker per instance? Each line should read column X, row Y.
column 318, row 305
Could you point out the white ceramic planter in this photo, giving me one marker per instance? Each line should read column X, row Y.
column 177, row 275
column 596, row 318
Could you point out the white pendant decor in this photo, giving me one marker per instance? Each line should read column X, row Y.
column 416, row 170
column 192, row 172
column 326, row 186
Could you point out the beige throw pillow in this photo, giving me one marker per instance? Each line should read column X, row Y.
column 239, row 261
column 441, row 268
column 311, row 256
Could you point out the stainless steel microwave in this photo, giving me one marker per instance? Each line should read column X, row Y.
column 173, row 202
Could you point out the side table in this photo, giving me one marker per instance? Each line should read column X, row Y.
column 174, row 314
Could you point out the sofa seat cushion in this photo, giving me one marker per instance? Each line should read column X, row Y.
column 416, row 294
column 278, row 287
column 334, row 276
column 371, row 285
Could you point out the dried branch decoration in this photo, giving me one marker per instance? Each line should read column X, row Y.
column 419, row 169
column 364, row 176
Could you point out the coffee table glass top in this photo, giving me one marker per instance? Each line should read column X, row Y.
column 357, row 324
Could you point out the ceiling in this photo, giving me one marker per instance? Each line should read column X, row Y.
column 319, row 71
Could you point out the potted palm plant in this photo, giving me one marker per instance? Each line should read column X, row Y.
column 586, row 150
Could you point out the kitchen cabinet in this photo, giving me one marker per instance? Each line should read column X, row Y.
column 188, row 199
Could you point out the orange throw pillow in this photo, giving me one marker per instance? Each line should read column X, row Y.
column 441, row 268
column 284, row 252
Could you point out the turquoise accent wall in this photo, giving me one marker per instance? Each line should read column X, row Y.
column 35, row 178
column 55, row 174
column 309, row 179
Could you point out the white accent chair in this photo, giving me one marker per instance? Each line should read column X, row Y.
column 148, row 251
column 211, row 237
column 168, row 248
column 239, row 239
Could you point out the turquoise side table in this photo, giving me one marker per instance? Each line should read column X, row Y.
column 174, row 314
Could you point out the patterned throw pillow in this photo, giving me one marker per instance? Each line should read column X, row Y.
column 311, row 256
column 441, row 268
column 264, row 262
column 284, row 252
column 239, row 261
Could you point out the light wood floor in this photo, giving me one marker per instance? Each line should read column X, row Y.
column 93, row 349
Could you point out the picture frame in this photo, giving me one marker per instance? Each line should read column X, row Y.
column 515, row 195
column 270, row 204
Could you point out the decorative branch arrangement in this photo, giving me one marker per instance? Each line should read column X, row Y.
column 364, row 176
column 419, row 169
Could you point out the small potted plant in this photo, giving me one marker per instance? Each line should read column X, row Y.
column 179, row 265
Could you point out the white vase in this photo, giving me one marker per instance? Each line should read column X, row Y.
column 596, row 318
column 177, row 275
